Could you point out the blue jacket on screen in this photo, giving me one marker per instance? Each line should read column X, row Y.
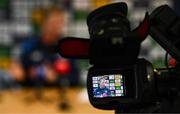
column 100, row 91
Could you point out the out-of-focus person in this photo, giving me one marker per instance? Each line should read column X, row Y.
column 38, row 53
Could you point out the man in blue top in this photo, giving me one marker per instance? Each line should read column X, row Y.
column 39, row 52
column 102, row 90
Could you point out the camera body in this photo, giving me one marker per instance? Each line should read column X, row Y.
column 118, row 79
column 124, row 86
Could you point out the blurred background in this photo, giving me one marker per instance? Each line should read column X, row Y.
column 33, row 78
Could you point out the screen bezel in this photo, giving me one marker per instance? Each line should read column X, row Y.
column 130, row 79
column 124, row 89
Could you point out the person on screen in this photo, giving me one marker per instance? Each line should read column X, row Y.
column 102, row 90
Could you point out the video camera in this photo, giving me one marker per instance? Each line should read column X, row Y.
column 118, row 79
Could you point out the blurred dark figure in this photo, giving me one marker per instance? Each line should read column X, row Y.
column 39, row 55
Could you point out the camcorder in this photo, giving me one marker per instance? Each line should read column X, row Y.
column 119, row 80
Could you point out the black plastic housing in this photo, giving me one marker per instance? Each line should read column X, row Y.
column 139, row 84
column 165, row 29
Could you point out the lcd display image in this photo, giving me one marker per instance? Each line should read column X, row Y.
column 108, row 86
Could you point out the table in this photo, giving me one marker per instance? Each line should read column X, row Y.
column 24, row 101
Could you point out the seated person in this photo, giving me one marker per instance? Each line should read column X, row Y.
column 39, row 54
